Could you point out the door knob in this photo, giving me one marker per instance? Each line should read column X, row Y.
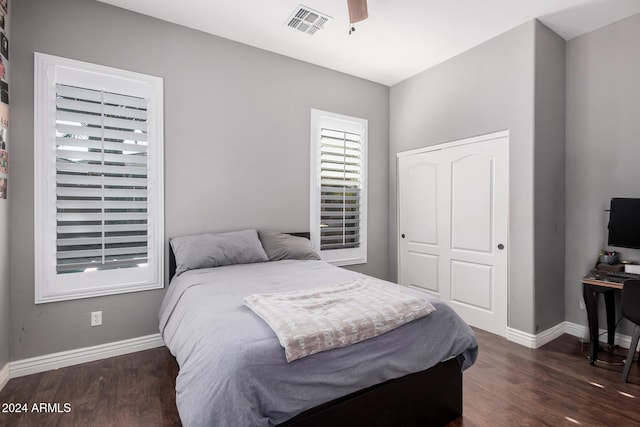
column 500, row 246
column 403, row 236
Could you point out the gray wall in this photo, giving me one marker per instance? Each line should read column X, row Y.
column 603, row 144
column 236, row 148
column 483, row 90
column 5, row 308
column 549, row 170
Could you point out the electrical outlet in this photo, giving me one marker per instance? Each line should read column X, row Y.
column 96, row 318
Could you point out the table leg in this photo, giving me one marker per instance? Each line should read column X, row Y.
column 591, row 304
column 610, row 304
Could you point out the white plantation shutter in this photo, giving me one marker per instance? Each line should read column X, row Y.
column 101, row 180
column 340, row 181
column 98, row 180
column 338, row 187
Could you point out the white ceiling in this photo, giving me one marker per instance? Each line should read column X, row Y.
column 399, row 39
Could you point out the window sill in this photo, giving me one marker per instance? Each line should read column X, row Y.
column 345, row 262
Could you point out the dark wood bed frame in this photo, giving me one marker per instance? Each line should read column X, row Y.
column 429, row 398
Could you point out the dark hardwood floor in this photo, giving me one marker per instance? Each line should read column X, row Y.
column 554, row 385
column 137, row 389
column 509, row 385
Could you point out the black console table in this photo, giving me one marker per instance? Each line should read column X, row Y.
column 592, row 287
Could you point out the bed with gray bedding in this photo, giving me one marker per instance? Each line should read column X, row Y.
column 233, row 370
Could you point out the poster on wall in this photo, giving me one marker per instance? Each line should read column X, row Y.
column 4, row 115
column 4, row 63
column 4, row 46
column 4, row 53
column 4, row 4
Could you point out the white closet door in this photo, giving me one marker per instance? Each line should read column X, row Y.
column 453, row 213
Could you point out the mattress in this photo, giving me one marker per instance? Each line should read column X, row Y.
column 233, row 370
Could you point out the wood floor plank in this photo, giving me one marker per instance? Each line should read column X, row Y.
column 510, row 385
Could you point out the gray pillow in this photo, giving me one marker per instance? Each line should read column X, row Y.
column 213, row 250
column 285, row 246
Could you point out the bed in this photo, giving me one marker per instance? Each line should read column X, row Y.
column 233, row 370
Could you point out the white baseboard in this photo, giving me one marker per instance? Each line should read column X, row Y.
column 576, row 330
column 542, row 338
column 34, row 365
column 583, row 332
column 538, row 340
column 4, row 375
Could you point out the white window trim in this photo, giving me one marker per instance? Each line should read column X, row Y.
column 338, row 257
column 49, row 286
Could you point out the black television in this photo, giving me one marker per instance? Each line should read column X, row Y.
column 624, row 223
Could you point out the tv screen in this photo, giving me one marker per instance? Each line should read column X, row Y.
column 624, row 223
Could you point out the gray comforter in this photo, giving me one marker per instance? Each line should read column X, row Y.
column 233, row 371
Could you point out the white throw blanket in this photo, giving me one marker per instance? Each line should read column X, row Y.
column 310, row 321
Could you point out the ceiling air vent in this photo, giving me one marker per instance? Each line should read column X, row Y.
column 307, row 20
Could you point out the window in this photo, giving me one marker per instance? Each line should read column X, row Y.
column 98, row 180
column 338, row 187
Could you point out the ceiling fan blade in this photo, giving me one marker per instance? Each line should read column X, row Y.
column 357, row 10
